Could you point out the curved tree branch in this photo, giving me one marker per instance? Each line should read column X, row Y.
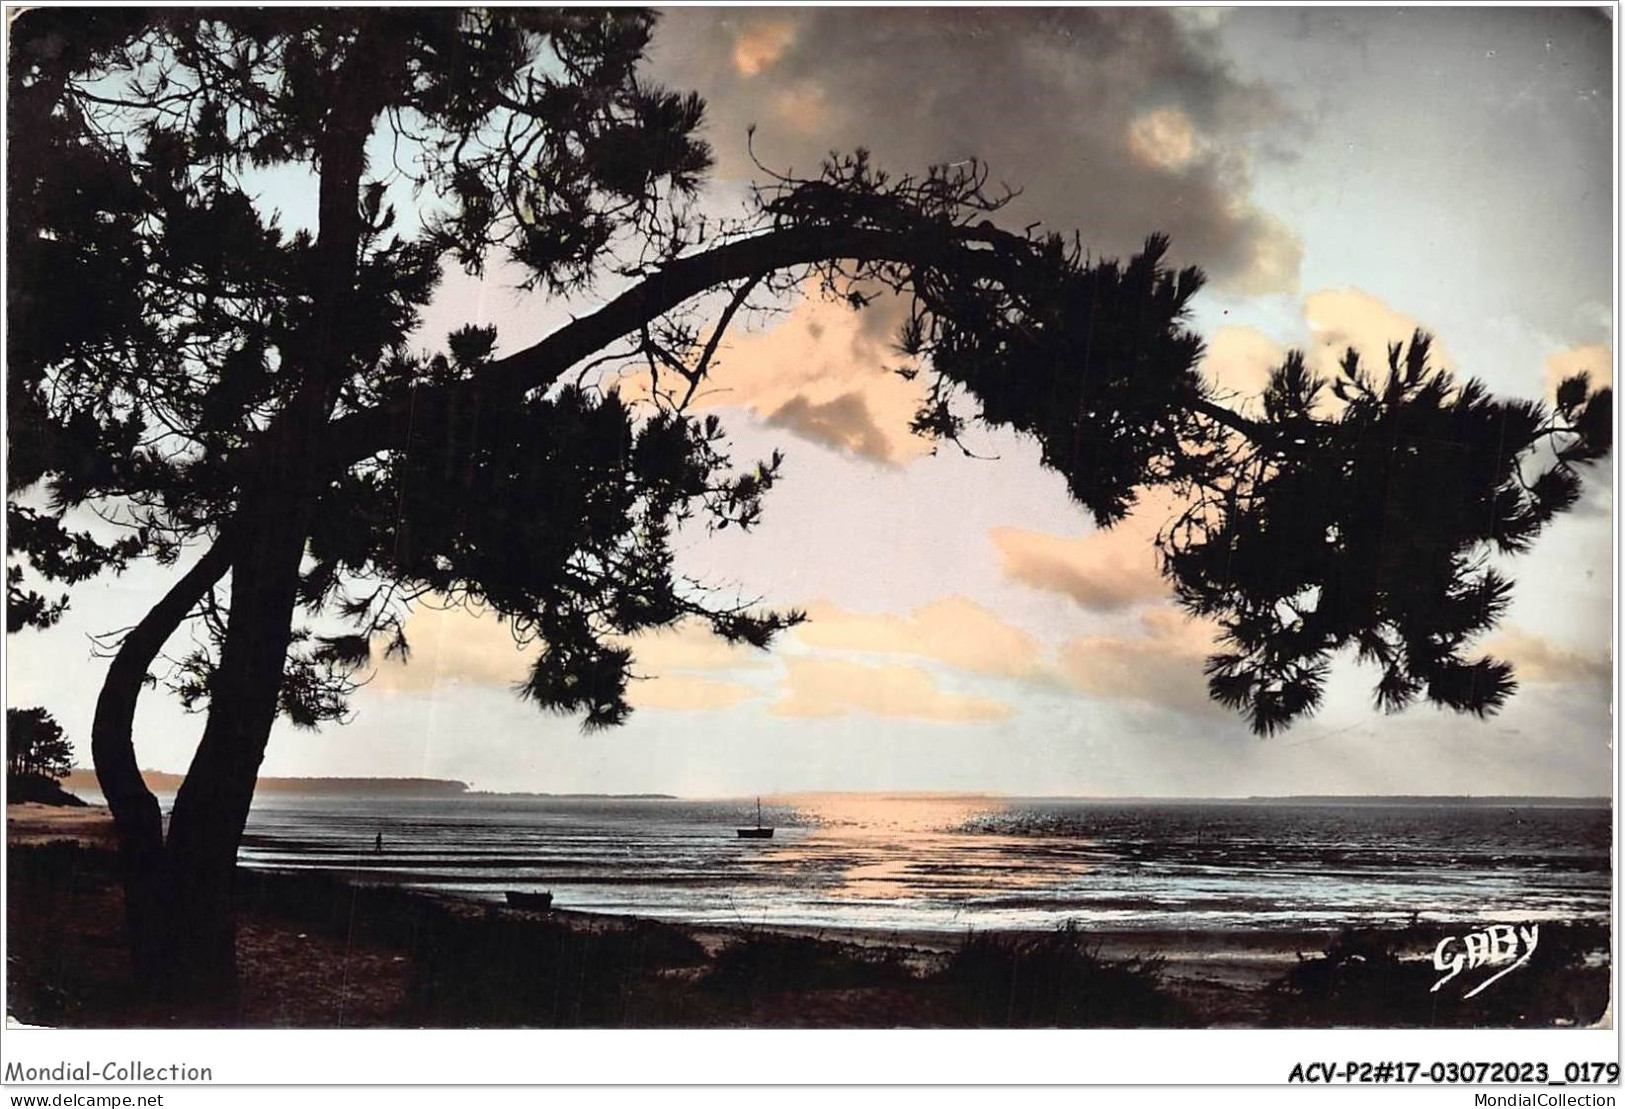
column 363, row 434
column 134, row 809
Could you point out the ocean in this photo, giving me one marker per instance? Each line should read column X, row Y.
column 938, row 863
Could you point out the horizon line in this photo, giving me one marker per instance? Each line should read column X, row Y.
column 472, row 788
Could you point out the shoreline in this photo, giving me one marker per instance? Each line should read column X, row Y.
column 1185, row 950
column 317, row 950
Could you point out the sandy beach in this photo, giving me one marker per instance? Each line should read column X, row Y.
column 31, row 824
column 315, row 951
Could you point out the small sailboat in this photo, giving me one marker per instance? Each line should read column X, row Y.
column 758, row 832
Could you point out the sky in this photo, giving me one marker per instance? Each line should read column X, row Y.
column 1343, row 175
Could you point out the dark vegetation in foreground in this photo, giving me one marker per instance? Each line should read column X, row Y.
column 1059, row 979
column 317, row 952
column 1362, row 980
column 38, row 788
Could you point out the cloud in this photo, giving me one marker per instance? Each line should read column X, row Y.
column 1343, row 318
column 1162, row 667
column 671, row 664
column 1539, row 661
column 1239, row 360
column 1273, row 257
column 758, row 45
column 836, row 687
column 455, row 646
column 1096, row 572
column 690, row 645
column 1105, row 570
column 685, row 693
column 843, row 422
column 818, row 368
column 1596, row 359
column 804, row 108
column 954, row 630
column 1114, row 122
column 1165, row 138
column 826, row 373
column 1202, row 19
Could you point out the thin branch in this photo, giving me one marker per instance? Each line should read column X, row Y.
column 704, row 364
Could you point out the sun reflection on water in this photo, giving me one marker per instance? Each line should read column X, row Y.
column 894, row 847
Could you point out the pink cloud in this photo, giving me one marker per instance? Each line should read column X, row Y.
column 836, row 687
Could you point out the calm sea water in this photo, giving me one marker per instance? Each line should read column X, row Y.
column 949, row 863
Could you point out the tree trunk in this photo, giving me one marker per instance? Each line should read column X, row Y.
column 211, row 808
column 272, row 520
column 136, row 818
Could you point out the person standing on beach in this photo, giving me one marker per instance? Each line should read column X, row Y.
column 378, row 844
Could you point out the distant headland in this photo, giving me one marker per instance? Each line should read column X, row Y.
column 160, row 781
